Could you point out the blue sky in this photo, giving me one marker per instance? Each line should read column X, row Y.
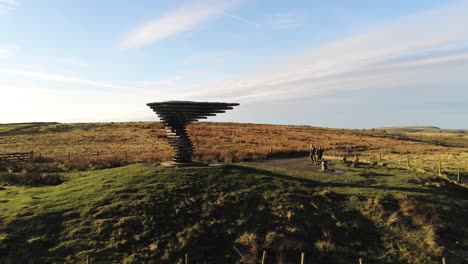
column 356, row 64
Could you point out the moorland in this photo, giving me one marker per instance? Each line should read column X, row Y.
column 96, row 193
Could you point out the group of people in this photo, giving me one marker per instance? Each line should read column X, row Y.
column 316, row 154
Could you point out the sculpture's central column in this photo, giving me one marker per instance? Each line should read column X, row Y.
column 176, row 115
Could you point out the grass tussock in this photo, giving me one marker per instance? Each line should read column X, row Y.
column 31, row 179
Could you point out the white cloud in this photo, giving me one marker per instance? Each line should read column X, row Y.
column 359, row 61
column 52, row 77
column 175, row 22
column 383, row 58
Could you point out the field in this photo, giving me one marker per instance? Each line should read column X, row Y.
column 226, row 142
column 96, row 193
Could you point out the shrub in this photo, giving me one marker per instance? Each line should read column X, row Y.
column 324, row 246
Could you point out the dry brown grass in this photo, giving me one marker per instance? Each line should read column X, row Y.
column 231, row 142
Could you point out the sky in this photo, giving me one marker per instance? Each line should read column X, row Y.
column 346, row 64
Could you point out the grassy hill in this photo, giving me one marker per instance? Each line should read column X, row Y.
column 94, row 192
column 143, row 213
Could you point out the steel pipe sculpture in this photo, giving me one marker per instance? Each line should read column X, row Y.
column 176, row 115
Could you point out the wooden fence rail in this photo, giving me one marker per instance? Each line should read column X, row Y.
column 17, row 157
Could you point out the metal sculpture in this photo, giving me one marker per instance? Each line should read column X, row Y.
column 176, row 115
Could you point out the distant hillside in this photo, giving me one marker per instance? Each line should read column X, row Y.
column 20, row 127
column 421, row 129
column 29, row 123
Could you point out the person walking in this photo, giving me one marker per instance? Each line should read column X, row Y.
column 313, row 151
column 320, row 153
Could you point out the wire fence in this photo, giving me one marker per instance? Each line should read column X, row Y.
column 453, row 167
column 449, row 167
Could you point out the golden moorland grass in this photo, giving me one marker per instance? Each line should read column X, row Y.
column 231, row 142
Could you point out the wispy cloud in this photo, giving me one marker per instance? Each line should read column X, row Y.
column 284, row 20
column 211, row 57
column 7, row 5
column 360, row 61
column 175, row 22
column 169, row 81
column 33, row 103
column 10, row 3
column 7, row 50
column 243, row 19
column 52, row 77
column 287, row 20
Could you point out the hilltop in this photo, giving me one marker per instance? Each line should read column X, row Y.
column 143, row 214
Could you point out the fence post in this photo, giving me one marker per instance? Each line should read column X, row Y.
column 69, row 156
column 186, row 258
column 97, row 154
column 458, row 175
column 360, row 261
column 126, row 156
column 302, row 257
column 263, row 257
column 440, row 167
column 32, row 156
column 271, row 151
column 87, row 259
column 443, row 260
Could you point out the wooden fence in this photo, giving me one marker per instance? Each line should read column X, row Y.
column 264, row 259
column 453, row 168
column 17, row 157
column 435, row 165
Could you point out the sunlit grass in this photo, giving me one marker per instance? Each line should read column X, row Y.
column 145, row 141
column 142, row 213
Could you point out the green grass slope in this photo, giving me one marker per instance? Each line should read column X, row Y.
column 147, row 214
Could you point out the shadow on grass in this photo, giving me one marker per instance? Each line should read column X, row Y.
column 29, row 238
column 253, row 170
column 449, row 189
column 206, row 213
